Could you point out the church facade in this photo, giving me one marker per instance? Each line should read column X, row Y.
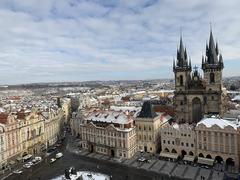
column 196, row 95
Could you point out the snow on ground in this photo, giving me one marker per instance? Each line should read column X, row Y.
column 86, row 175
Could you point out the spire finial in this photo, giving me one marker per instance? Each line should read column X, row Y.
column 180, row 31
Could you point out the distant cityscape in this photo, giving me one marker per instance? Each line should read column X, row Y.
column 182, row 128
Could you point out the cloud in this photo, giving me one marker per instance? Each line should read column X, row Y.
column 76, row 40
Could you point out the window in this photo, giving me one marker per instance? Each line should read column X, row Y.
column 181, row 80
column 173, row 142
column 191, row 145
column 182, row 143
column 212, row 78
column 164, row 141
column 187, row 144
column 168, row 142
column 181, row 103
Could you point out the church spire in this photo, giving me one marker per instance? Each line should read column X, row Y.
column 212, row 50
column 182, row 55
column 213, row 58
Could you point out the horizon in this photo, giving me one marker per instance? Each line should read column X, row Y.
column 84, row 40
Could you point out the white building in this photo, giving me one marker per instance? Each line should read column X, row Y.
column 109, row 132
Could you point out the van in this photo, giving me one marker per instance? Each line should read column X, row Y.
column 59, row 155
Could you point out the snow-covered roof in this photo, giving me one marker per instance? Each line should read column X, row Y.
column 236, row 98
column 222, row 123
column 109, row 117
column 125, row 108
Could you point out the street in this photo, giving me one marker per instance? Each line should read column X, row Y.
column 45, row 170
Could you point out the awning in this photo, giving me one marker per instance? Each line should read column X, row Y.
column 188, row 158
column 205, row 161
column 169, row 155
column 19, row 159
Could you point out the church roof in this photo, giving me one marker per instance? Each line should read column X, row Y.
column 147, row 110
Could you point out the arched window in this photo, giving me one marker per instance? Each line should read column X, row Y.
column 212, row 78
column 181, row 80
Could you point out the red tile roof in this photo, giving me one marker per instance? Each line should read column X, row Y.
column 166, row 109
column 3, row 118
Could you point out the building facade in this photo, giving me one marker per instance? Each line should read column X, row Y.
column 52, row 122
column 218, row 139
column 148, row 125
column 3, row 156
column 109, row 132
column 178, row 139
column 32, row 132
column 12, row 136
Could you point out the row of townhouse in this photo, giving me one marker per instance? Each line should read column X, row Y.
column 120, row 131
column 27, row 132
column 212, row 141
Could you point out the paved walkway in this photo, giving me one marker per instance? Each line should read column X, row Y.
column 166, row 168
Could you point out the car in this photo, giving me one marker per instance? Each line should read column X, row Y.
column 26, row 166
column 17, row 171
column 58, row 145
column 34, row 161
column 52, row 160
column 30, row 163
column 142, row 159
column 59, row 155
column 38, row 158
column 50, row 150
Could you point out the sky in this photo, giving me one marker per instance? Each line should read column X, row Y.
column 81, row 40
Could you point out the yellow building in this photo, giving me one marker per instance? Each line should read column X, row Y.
column 148, row 124
column 32, row 131
column 66, row 107
column 52, row 123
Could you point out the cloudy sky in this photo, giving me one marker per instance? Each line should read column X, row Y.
column 78, row 40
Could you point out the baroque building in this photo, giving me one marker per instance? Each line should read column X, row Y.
column 194, row 95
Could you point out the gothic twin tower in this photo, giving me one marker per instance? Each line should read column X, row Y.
column 194, row 95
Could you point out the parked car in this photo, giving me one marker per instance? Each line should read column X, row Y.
column 38, row 158
column 34, row 161
column 59, row 155
column 52, row 160
column 26, row 166
column 17, row 171
column 50, row 150
column 58, row 145
column 142, row 159
column 30, row 163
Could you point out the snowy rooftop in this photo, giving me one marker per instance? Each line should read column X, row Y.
column 222, row 123
column 236, row 98
column 125, row 108
column 110, row 117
